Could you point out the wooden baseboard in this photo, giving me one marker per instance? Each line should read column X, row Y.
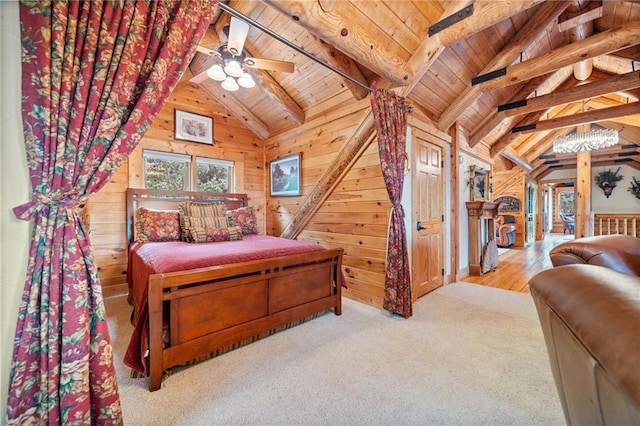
column 462, row 273
column 115, row 290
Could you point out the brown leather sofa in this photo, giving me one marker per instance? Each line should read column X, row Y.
column 589, row 310
column 590, row 319
column 618, row 252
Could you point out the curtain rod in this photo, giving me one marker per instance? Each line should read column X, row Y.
column 278, row 37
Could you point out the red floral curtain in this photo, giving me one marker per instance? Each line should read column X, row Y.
column 94, row 76
column 390, row 115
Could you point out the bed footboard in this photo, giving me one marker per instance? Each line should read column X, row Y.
column 212, row 308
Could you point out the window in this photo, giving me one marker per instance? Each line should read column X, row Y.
column 166, row 171
column 174, row 172
column 214, row 175
column 566, row 204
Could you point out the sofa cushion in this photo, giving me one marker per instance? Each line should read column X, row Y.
column 618, row 252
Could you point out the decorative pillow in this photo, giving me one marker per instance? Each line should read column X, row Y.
column 198, row 215
column 211, row 235
column 245, row 218
column 156, row 225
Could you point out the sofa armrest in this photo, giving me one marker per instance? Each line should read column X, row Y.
column 618, row 252
column 590, row 318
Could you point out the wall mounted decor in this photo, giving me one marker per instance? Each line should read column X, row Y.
column 284, row 176
column 479, row 183
column 635, row 188
column 193, row 127
column 607, row 180
column 508, row 204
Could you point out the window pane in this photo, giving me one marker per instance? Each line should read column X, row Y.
column 214, row 176
column 166, row 172
column 566, row 204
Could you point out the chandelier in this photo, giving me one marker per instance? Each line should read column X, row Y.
column 586, row 141
column 231, row 73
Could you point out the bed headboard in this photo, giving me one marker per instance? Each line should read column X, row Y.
column 169, row 200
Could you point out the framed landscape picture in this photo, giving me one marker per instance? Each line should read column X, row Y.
column 284, row 176
column 193, row 127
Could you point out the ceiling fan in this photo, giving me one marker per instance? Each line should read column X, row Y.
column 231, row 60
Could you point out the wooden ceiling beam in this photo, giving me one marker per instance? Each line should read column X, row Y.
column 590, row 47
column 486, row 13
column 581, row 28
column 578, row 93
column 593, row 116
column 508, row 138
column 570, row 20
column 629, row 135
column 426, row 53
column 346, row 65
column 596, row 161
column 545, row 15
column 492, row 121
column 236, row 109
column 532, row 117
column 345, row 34
column 513, row 156
column 545, row 143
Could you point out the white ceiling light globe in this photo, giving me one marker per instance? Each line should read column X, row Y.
column 230, row 85
column 216, row 73
column 233, row 68
column 246, row 81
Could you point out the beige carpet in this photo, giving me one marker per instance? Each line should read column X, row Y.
column 470, row 355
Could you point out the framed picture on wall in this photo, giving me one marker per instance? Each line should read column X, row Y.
column 284, row 176
column 480, row 184
column 193, row 127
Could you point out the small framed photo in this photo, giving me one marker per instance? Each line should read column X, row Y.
column 193, row 127
column 284, row 176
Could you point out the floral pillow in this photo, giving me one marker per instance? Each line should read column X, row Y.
column 211, row 235
column 245, row 218
column 199, row 215
column 156, row 225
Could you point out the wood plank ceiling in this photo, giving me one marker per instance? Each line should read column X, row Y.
column 575, row 62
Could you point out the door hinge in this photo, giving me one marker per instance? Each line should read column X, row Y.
column 443, row 272
column 443, row 218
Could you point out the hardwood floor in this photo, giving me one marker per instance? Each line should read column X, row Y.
column 519, row 264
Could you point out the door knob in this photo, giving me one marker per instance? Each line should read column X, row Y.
column 419, row 226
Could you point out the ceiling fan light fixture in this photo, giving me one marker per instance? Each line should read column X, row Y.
column 246, row 81
column 229, row 84
column 233, row 68
column 216, row 73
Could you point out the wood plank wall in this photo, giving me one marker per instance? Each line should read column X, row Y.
column 233, row 141
column 356, row 214
column 354, row 217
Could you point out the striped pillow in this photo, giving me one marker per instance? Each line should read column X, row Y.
column 210, row 235
column 198, row 215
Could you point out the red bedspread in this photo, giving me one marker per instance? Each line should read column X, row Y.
column 151, row 258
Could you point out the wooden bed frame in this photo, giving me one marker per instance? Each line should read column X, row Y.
column 212, row 308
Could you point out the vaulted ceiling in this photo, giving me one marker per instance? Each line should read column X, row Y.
column 516, row 75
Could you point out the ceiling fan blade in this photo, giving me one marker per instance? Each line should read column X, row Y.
column 270, row 64
column 238, row 31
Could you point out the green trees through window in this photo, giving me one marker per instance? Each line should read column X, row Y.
column 169, row 171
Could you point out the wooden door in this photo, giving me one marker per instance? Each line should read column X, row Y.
column 428, row 214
